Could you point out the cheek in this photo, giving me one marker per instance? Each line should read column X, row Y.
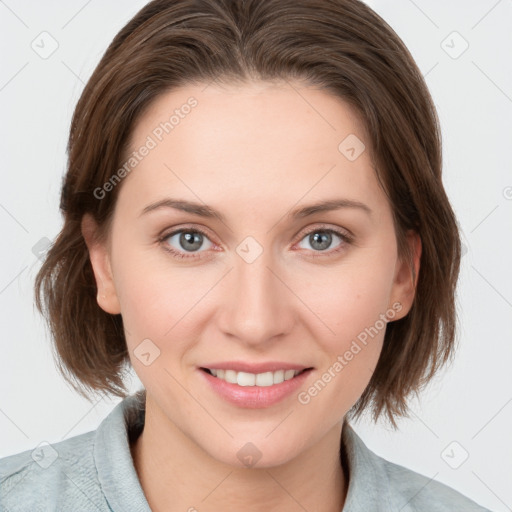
column 151, row 305
column 348, row 299
column 157, row 327
column 351, row 305
column 159, row 301
column 355, row 308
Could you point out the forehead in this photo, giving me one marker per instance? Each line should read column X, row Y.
column 257, row 140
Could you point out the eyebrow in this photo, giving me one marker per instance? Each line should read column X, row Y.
column 206, row 211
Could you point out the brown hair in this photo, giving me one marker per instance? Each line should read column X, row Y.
column 340, row 45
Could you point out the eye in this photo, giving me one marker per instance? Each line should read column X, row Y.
column 183, row 243
column 320, row 239
column 185, row 240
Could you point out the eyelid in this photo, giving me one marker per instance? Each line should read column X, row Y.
column 345, row 234
column 303, row 232
column 167, row 232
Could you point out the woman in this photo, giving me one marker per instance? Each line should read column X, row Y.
column 255, row 221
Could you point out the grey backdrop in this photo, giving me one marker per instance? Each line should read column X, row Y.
column 459, row 433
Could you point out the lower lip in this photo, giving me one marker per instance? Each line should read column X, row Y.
column 255, row 397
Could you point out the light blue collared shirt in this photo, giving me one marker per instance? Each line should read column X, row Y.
column 95, row 472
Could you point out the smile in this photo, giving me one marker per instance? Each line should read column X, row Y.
column 253, row 379
column 254, row 390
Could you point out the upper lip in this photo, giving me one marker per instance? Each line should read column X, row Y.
column 240, row 366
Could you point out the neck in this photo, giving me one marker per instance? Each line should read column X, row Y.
column 176, row 475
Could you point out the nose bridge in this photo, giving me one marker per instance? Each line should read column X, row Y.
column 258, row 307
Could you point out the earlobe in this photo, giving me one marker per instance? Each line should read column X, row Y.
column 404, row 285
column 100, row 262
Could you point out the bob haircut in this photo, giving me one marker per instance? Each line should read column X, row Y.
column 341, row 46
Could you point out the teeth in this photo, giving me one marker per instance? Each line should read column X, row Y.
column 252, row 379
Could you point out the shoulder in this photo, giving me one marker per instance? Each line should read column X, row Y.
column 417, row 492
column 380, row 485
column 59, row 476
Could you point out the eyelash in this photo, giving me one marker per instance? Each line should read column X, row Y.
column 346, row 239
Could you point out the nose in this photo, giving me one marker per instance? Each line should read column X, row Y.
column 258, row 304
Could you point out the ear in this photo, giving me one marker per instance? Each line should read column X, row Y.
column 100, row 261
column 404, row 287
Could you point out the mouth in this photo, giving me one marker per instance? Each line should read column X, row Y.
column 247, row 379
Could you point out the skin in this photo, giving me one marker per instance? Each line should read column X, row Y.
column 253, row 152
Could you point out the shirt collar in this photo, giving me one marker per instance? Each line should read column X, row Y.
column 368, row 487
column 116, row 471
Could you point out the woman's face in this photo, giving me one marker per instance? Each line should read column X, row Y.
column 259, row 283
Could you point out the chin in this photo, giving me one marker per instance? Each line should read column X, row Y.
column 243, row 453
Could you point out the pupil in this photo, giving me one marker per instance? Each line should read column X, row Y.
column 316, row 238
column 190, row 238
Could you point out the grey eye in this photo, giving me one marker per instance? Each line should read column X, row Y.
column 187, row 240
